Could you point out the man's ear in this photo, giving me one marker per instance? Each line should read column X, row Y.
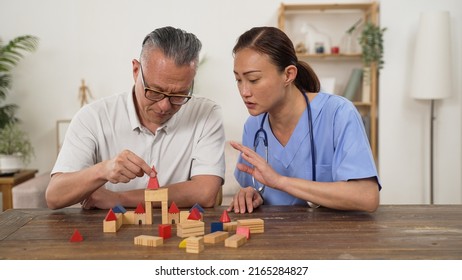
column 135, row 69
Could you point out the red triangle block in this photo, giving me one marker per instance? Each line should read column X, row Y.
column 140, row 209
column 110, row 216
column 173, row 208
column 224, row 217
column 194, row 215
column 76, row 237
column 153, row 183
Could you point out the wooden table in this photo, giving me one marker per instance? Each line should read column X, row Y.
column 8, row 182
column 392, row 232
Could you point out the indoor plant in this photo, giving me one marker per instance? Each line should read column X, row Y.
column 371, row 41
column 15, row 147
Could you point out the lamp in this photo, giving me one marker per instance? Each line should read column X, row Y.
column 431, row 73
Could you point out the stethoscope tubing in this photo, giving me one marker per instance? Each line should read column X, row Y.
column 265, row 142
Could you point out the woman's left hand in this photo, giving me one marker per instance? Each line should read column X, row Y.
column 261, row 170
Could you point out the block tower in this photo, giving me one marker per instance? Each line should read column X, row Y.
column 154, row 193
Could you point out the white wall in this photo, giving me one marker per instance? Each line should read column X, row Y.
column 404, row 123
column 96, row 41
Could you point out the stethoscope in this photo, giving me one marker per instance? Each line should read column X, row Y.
column 264, row 139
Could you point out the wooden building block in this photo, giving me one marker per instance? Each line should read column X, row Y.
column 231, row 226
column 148, row 209
column 215, row 237
column 113, row 225
column 173, row 218
column 158, row 195
column 194, row 244
column 182, row 244
column 255, row 225
column 76, row 236
column 190, row 228
column 184, row 216
column 140, row 219
column 119, row 209
column 147, row 240
column 165, row 231
column 173, row 214
column 225, row 217
column 216, row 226
column 128, row 218
column 235, row 241
column 242, row 230
column 195, row 214
column 164, row 210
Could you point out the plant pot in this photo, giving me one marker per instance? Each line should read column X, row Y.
column 10, row 164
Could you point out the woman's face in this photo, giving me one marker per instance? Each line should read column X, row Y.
column 261, row 85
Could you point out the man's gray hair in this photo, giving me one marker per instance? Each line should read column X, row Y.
column 177, row 44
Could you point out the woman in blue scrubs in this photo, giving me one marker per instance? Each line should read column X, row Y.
column 293, row 125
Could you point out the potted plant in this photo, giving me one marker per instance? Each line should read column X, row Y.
column 371, row 41
column 14, row 144
column 15, row 149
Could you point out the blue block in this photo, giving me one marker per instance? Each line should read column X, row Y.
column 216, row 226
column 119, row 209
column 198, row 208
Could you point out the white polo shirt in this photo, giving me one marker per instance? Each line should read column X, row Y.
column 190, row 143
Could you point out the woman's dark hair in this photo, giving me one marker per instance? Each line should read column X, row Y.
column 277, row 45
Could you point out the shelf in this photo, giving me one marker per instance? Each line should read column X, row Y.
column 362, row 104
column 326, row 7
column 329, row 56
column 309, row 24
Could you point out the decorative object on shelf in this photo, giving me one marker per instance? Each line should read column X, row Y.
column 371, row 42
column 313, row 37
column 334, row 50
column 15, row 147
column 84, row 93
column 319, row 47
column 353, row 86
column 431, row 73
column 300, row 48
column 348, row 43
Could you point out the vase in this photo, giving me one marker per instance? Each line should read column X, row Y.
column 10, row 164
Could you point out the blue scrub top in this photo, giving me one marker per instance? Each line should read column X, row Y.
column 342, row 148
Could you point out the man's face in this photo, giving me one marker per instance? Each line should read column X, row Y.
column 163, row 75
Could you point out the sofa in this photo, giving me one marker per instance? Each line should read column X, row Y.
column 31, row 194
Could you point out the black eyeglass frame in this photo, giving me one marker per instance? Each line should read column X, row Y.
column 181, row 98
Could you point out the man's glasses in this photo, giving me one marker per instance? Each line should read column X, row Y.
column 156, row 96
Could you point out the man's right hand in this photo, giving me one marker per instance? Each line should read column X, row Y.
column 125, row 167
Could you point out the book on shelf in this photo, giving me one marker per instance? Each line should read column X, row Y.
column 366, row 90
column 353, row 87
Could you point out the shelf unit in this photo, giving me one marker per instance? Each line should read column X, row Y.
column 304, row 23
